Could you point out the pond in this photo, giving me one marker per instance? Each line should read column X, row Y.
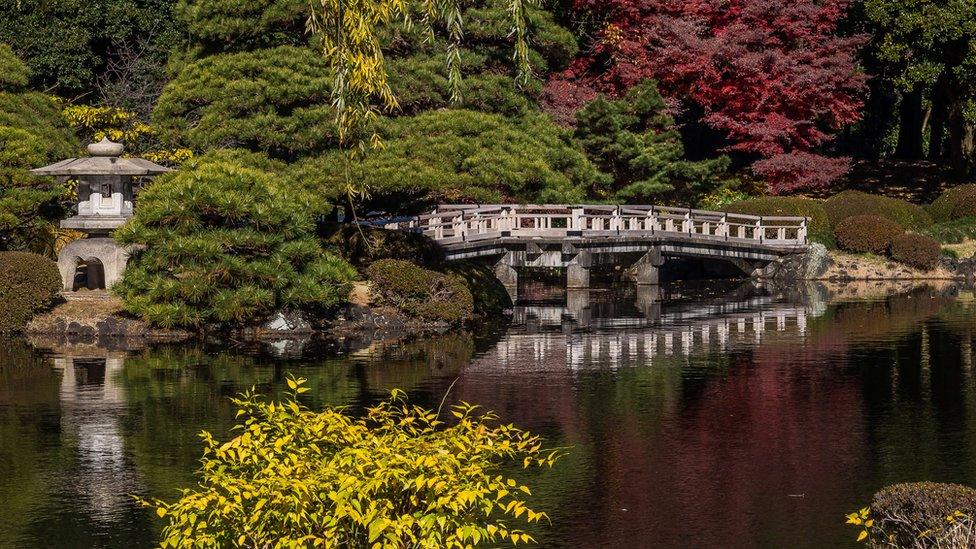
column 713, row 416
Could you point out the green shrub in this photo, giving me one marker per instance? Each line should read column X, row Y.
column 866, row 234
column 819, row 230
column 916, row 250
column 942, row 208
column 965, row 207
column 953, row 231
column 489, row 294
column 397, row 477
column 361, row 246
column 902, row 512
column 850, row 203
column 421, row 293
column 226, row 242
column 29, row 283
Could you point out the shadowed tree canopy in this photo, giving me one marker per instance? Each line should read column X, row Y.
column 929, row 48
column 68, row 44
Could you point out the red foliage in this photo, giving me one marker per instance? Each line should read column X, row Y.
column 771, row 74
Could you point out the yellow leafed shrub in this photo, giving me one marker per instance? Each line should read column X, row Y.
column 396, row 477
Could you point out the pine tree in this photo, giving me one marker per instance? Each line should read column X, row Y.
column 634, row 140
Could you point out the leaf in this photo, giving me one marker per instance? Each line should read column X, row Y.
column 291, row 384
column 161, row 512
column 376, row 528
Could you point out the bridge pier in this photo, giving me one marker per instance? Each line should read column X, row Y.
column 578, row 271
column 647, row 268
column 508, row 276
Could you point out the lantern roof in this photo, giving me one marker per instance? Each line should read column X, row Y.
column 104, row 160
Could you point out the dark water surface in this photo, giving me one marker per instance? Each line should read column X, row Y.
column 725, row 418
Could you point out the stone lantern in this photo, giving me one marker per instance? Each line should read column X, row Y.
column 105, row 201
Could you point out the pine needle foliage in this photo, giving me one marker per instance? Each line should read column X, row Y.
column 32, row 134
column 460, row 155
column 396, row 477
column 634, row 139
column 275, row 101
column 225, row 241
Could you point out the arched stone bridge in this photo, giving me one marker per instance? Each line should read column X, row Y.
column 578, row 237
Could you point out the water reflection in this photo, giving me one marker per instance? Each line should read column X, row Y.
column 725, row 416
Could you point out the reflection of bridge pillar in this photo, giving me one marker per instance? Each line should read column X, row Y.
column 578, row 271
column 647, row 267
column 649, row 302
column 578, row 305
column 507, row 275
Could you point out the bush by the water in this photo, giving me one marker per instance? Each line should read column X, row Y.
column 916, row 250
column 943, row 208
column 819, row 229
column 489, row 294
column 850, row 203
column 361, row 246
column 29, row 283
column 921, row 514
column 227, row 242
column 421, row 293
column 866, row 234
column 395, row 477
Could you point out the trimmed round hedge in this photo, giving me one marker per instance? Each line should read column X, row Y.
column 942, row 209
column 850, row 203
column 901, row 512
column 420, row 293
column 916, row 250
column 819, row 230
column 29, row 283
column 964, row 207
column 866, row 234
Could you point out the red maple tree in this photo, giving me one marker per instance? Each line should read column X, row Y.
column 772, row 75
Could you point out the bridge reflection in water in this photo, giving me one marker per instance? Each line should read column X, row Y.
column 575, row 337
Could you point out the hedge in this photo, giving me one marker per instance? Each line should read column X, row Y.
column 942, row 208
column 29, row 283
column 420, row 293
column 819, row 229
column 954, row 231
column 850, row 203
column 902, row 512
column 866, row 234
column 916, row 250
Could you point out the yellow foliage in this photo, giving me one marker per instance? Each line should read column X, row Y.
column 397, row 477
column 351, row 31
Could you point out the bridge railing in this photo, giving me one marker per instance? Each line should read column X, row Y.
column 457, row 223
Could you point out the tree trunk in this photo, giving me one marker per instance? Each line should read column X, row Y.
column 961, row 139
column 937, row 122
column 910, row 142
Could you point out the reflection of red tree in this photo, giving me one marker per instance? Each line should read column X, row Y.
column 711, row 462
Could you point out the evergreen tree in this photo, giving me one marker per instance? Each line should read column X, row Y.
column 226, row 240
column 634, row 140
column 32, row 134
column 460, row 156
